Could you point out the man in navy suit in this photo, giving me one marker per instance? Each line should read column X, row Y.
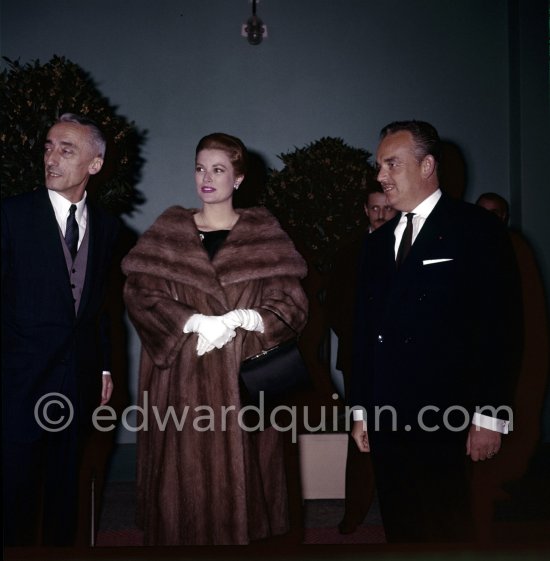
column 436, row 343
column 56, row 254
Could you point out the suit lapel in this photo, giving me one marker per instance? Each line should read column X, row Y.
column 48, row 245
column 428, row 238
column 388, row 245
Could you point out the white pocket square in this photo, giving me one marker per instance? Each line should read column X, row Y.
column 434, row 261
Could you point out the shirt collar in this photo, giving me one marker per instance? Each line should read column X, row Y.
column 424, row 209
column 61, row 206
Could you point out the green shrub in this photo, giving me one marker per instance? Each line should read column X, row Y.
column 32, row 96
column 318, row 196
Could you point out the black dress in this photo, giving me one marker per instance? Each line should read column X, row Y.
column 212, row 241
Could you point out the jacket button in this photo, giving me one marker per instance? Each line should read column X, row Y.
column 409, row 340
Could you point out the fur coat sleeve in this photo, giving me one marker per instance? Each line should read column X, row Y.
column 170, row 278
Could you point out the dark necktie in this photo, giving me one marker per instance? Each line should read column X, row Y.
column 71, row 232
column 406, row 240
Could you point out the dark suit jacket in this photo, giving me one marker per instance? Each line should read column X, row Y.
column 443, row 334
column 46, row 347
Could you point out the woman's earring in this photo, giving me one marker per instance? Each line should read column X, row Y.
column 236, row 186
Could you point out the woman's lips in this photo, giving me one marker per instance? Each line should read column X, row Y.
column 206, row 189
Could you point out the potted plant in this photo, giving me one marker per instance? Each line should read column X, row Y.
column 318, row 196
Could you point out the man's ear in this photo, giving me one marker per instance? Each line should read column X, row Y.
column 428, row 166
column 95, row 165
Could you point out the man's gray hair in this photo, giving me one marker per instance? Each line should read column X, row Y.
column 97, row 137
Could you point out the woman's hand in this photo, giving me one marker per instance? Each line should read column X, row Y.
column 250, row 320
column 212, row 331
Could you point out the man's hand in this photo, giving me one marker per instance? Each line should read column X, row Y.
column 106, row 389
column 482, row 444
column 359, row 434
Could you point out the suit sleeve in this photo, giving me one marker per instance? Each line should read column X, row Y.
column 498, row 326
column 357, row 394
column 111, row 264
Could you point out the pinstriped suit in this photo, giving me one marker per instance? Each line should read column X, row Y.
column 46, row 346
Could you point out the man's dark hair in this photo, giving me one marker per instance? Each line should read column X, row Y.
column 374, row 187
column 426, row 138
column 497, row 199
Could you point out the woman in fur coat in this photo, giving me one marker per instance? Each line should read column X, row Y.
column 206, row 289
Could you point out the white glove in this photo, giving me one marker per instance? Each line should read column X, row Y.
column 250, row 320
column 213, row 332
column 203, row 346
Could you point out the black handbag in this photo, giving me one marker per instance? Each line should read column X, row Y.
column 276, row 372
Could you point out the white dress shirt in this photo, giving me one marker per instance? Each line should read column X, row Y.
column 61, row 207
column 421, row 212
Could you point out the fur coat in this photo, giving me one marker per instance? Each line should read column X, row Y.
column 202, row 479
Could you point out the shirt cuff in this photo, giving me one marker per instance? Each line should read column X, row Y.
column 491, row 423
column 106, row 373
column 359, row 414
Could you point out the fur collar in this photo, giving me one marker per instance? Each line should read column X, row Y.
column 256, row 248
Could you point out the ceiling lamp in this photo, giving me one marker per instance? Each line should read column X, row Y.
column 254, row 29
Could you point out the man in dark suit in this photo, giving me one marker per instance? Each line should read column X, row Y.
column 56, row 253
column 436, row 343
